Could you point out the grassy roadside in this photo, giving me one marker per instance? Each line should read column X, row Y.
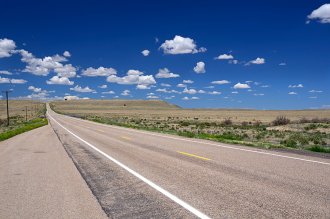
column 24, row 127
column 229, row 139
column 223, row 138
column 18, row 124
column 253, row 135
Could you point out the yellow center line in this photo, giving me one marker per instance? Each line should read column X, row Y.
column 193, row 155
column 127, row 138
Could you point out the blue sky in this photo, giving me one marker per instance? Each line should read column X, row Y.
column 207, row 54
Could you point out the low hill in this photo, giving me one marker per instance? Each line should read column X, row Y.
column 104, row 105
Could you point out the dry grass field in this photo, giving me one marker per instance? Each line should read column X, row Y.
column 17, row 112
column 17, row 108
column 302, row 129
column 160, row 110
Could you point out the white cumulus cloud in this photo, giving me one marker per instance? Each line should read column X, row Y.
column 101, row 71
column 322, row 14
column 200, row 68
column 234, row 62
column 18, row 81
column 133, row 77
column 241, row 86
column 190, row 91
column 165, row 85
column 214, row 92
column 225, row 57
column 126, row 93
column 220, row 82
column 108, row 92
column 7, row 47
column 257, row 61
column 259, row 94
column 181, row 45
column 12, row 81
column 165, row 90
column 145, row 52
column 315, row 91
column 34, row 89
column 181, row 85
column 296, row 86
column 152, row 97
column 41, row 66
column 142, row 87
column 192, row 98
column 187, row 81
column 67, row 54
column 5, row 73
column 4, row 80
column 67, row 71
column 165, row 73
column 292, row 93
column 60, row 81
column 80, row 89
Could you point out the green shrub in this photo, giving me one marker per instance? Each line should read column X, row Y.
column 281, row 120
column 27, row 126
column 185, row 123
column 186, row 134
column 317, row 148
column 289, row 143
column 311, row 126
column 227, row 122
column 317, row 139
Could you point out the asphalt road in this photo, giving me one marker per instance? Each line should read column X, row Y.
column 138, row 174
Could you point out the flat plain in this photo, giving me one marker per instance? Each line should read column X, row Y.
column 299, row 129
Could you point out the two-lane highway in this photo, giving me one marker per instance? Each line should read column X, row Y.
column 142, row 174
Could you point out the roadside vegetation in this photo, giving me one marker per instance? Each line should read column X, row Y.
column 306, row 133
column 20, row 123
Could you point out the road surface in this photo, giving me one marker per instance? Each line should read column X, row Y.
column 39, row 180
column 143, row 174
column 139, row 174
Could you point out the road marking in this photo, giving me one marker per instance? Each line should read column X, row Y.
column 193, row 155
column 139, row 176
column 125, row 137
column 206, row 143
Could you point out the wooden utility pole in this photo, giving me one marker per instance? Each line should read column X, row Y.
column 26, row 111
column 7, row 92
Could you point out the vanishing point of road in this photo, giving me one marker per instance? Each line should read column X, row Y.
column 74, row 168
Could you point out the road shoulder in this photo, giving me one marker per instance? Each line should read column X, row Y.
column 39, row 180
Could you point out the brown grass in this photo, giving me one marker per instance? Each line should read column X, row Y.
column 248, row 127
column 17, row 108
column 160, row 110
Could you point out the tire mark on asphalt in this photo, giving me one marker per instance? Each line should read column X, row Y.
column 119, row 195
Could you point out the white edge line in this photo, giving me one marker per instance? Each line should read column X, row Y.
column 207, row 143
column 139, row 176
